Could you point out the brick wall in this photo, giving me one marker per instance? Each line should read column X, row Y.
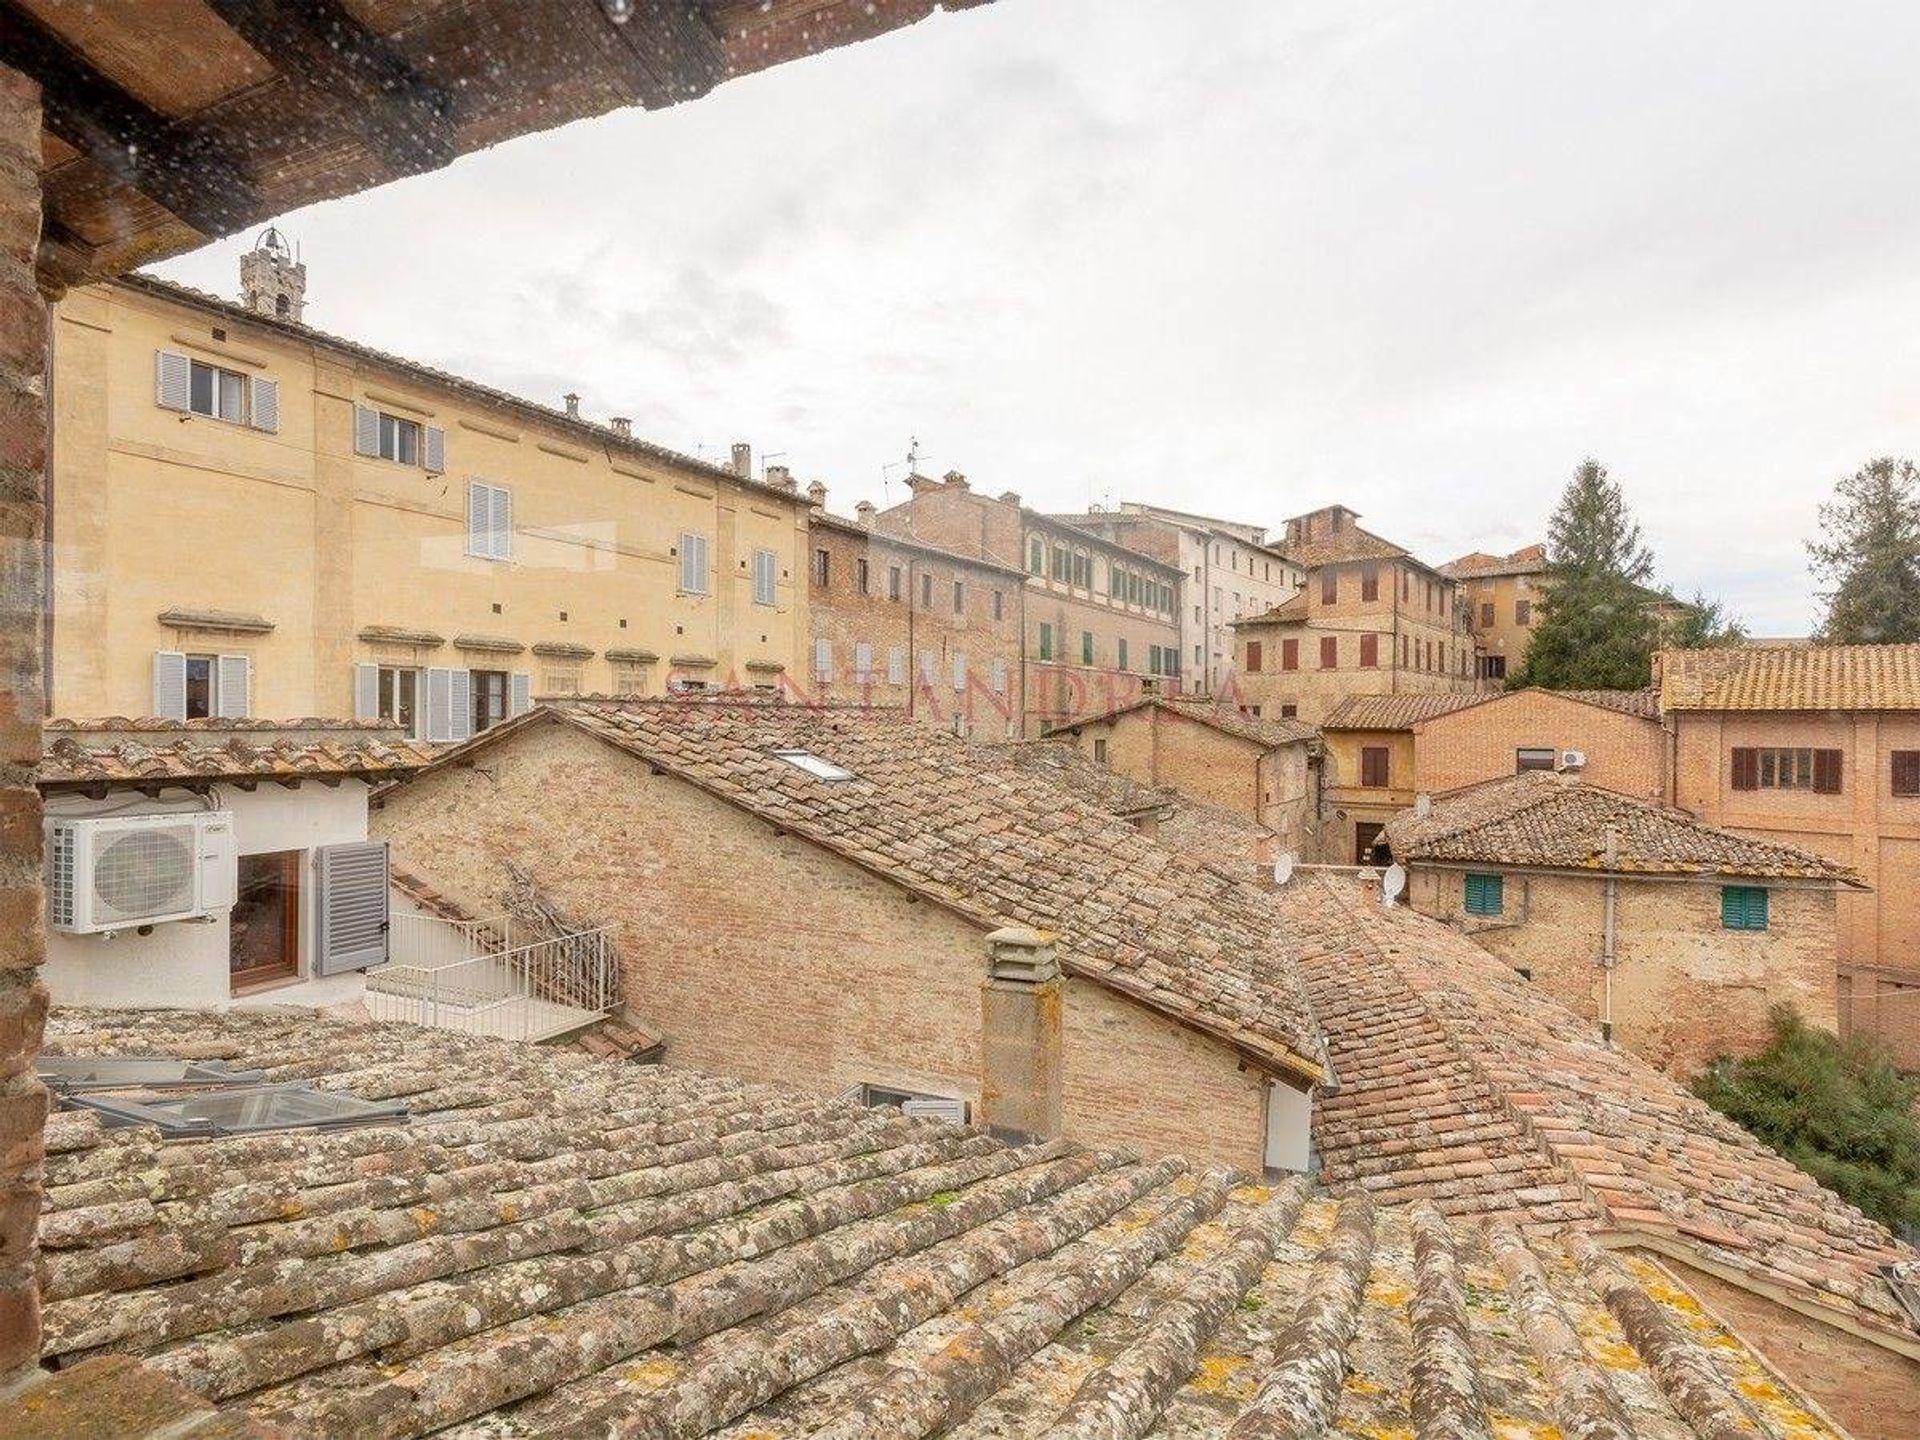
column 766, row 957
column 922, row 625
column 23, row 444
column 1624, row 752
column 1685, row 989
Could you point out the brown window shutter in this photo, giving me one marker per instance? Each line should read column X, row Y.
column 1746, row 768
column 1289, row 654
column 1369, row 650
column 1253, row 657
column 1906, row 772
column 1329, row 652
column 1826, row 772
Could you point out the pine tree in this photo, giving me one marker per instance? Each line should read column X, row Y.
column 1705, row 624
column 1870, row 554
column 1595, row 631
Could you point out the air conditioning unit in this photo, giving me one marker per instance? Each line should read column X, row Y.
column 1573, row 759
column 112, row 873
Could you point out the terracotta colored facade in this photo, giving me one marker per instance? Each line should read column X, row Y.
column 1623, row 750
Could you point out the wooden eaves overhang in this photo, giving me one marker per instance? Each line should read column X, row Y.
column 171, row 124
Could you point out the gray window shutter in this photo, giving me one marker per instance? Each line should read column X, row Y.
column 823, row 659
column 500, row 522
column 350, row 920
column 479, row 518
column 519, row 693
column 436, row 448
column 439, row 704
column 999, row 676
column 366, row 431
column 169, row 685
column 460, row 704
column 236, row 687
column 366, row 692
column 173, row 380
column 959, row 670
column 863, row 662
column 265, row 406
column 897, row 665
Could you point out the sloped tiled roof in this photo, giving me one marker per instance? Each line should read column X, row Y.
column 556, row 1244
column 1393, row 712
column 1287, row 612
column 1228, row 719
column 1797, row 677
column 1527, row 560
column 1449, row 1062
column 81, row 753
column 1350, row 542
column 964, row 827
column 1644, row 703
column 1539, row 818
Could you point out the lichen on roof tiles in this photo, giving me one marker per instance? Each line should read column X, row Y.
column 582, row 1247
column 1796, row 677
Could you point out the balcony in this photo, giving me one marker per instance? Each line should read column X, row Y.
column 475, row 976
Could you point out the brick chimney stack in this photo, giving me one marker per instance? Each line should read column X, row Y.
column 956, row 481
column 573, row 405
column 817, row 495
column 743, row 460
column 622, row 426
column 863, row 512
column 1020, row 1049
column 781, row 478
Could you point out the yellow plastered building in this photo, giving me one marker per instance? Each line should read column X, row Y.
column 253, row 518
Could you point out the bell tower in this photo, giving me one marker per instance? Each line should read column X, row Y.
column 272, row 281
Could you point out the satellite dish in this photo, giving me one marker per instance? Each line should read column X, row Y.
column 1283, row 869
column 1393, row 884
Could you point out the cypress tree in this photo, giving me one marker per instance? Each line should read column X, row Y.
column 1870, row 554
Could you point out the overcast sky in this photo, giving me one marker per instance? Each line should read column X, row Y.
column 1238, row 257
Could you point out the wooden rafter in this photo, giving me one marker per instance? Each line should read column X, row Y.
column 675, row 54
column 401, row 116
column 183, row 167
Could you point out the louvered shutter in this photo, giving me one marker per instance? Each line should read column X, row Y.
column 823, row 659
column 236, row 687
column 928, row 666
column 366, row 692
column 1746, row 768
column 959, row 670
column 520, row 693
column 169, row 685
column 350, row 920
column 436, row 450
column 1906, row 772
column 173, row 380
column 265, row 405
column 1826, row 772
column 439, row 704
column 366, row 431
column 999, row 676
column 460, row 704
column 500, row 522
column 863, row 663
column 897, row 665
column 479, row 517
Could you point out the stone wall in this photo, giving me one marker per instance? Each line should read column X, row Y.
column 764, row 956
column 1685, row 989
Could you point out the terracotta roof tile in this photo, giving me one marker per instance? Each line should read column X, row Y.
column 965, row 826
column 585, row 1247
column 1350, row 542
column 1393, row 712
column 1544, row 819
column 1800, row 677
column 1227, row 719
column 136, row 752
column 1527, row 560
column 1288, row 612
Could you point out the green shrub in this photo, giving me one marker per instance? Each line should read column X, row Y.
column 1839, row 1109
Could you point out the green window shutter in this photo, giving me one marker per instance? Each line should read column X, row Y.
column 1743, row 907
column 1484, row 894
column 1046, row 641
column 1086, row 647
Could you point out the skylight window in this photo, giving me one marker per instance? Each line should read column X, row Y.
column 820, row 769
column 70, row 1073
column 240, row 1110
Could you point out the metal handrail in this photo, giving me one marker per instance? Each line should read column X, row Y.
column 502, row 993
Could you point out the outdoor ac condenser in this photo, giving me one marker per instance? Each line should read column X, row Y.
column 116, row 872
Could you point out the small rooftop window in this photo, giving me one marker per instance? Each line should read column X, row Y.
column 240, row 1110
column 70, row 1073
column 820, row 769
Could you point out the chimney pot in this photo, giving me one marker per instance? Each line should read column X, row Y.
column 1020, row 1036
column 817, row 493
column 573, row 405
column 863, row 512
column 1010, row 497
column 956, row 481
column 622, row 426
column 743, row 460
column 781, row 478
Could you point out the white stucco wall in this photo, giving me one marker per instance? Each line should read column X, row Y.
column 185, row 962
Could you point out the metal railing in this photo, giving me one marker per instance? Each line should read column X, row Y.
column 464, row 976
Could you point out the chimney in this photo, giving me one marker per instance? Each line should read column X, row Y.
column 573, row 405
column 743, row 461
column 1020, row 1051
column 778, row 476
column 1009, row 497
column 622, row 426
column 956, row 481
column 863, row 512
column 817, row 495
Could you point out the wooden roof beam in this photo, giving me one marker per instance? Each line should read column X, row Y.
column 674, row 52
column 402, row 117
column 184, row 168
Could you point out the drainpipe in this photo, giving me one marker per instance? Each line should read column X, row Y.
column 1607, row 955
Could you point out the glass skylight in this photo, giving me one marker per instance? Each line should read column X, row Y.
column 820, row 769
